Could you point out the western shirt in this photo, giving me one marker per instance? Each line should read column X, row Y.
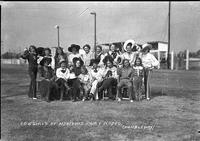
column 149, row 61
column 63, row 73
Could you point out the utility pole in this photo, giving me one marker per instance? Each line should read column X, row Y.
column 168, row 53
column 94, row 13
column 56, row 26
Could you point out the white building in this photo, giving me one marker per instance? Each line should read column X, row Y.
column 159, row 49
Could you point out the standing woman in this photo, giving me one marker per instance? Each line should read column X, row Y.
column 149, row 62
column 100, row 56
column 31, row 56
column 60, row 55
column 74, row 49
column 116, row 56
column 128, row 54
column 88, row 55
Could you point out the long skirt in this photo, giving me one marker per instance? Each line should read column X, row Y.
column 48, row 90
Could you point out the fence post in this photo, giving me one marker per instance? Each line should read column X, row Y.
column 172, row 60
column 158, row 59
column 187, row 59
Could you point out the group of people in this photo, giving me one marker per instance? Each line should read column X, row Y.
column 80, row 74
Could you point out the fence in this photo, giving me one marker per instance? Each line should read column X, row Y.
column 182, row 61
column 14, row 61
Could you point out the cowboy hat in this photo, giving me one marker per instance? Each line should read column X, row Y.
column 127, row 42
column 40, row 51
column 146, row 46
column 62, row 60
column 44, row 60
column 92, row 61
column 87, row 46
column 108, row 58
column 75, row 59
column 77, row 47
column 47, row 49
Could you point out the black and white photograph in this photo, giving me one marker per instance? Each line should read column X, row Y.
column 100, row 71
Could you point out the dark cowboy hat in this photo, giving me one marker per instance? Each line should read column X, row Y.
column 146, row 47
column 75, row 59
column 108, row 58
column 92, row 61
column 34, row 47
column 62, row 61
column 77, row 47
column 40, row 51
column 98, row 46
column 87, row 46
column 44, row 60
column 47, row 49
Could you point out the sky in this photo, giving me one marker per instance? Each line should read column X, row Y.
column 33, row 23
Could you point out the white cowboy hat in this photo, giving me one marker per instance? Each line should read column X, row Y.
column 146, row 46
column 129, row 41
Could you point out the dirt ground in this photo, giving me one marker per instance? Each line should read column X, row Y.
column 173, row 113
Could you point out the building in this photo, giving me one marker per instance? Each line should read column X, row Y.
column 159, row 50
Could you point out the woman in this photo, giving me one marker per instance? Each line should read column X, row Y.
column 62, row 75
column 73, row 78
column 96, row 78
column 31, row 56
column 85, row 81
column 88, row 55
column 74, row 49
column 149, row 62
column 138, row 75
column 116, row 56
column 99, row 55
column 109, row 75
column 128, row 54
column 59, row 55
column 48, row 87
column 125, row 79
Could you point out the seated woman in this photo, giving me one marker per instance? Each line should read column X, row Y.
column 48, row 87
column 73, row 81
column 125, row 79
column 109, row 75
column 85, row 80
column 62, row 75
column 138, row 75
column 95, row 77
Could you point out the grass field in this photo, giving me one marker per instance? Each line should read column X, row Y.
column 173, row 114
